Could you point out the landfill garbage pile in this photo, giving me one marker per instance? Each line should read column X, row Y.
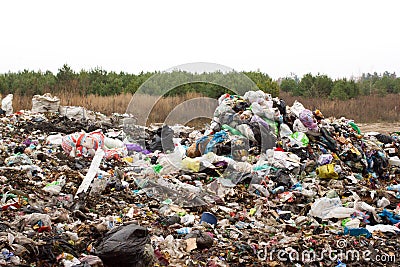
column 264, row 185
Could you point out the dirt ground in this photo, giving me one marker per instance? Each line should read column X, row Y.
column 381, row 127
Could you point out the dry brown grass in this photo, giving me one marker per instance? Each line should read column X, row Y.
column 120, row 103
column 366, row 109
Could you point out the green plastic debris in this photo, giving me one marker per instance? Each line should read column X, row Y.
column 355, row 127
column 157, row 168
column 231, row 130
column 53, row 183
column 263, row 167
column 345, row 221
column 299, row 139
column 168, row 201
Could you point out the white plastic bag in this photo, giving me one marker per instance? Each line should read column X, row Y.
column 223, row 108
column 326, row 208
column 45, row 103
column 284, row 130
column 55, row 139
column 55, row 187
column 298, row 126
column 77, row 113
column 113, row 143
column 246, row 131
column 6, row 104
column 354, row 223
column 297, row 108
column 253, row 96
column 257, row 109
column 383, row 228
column 383, row 202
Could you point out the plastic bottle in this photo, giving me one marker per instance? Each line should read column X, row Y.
column 98, row 186
column 394, row 187
column 187, row 219
column 184, row 230
column 278, row 190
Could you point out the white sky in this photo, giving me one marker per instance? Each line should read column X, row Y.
column 337, row 38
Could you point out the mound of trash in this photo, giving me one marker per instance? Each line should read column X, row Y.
column 265, row 184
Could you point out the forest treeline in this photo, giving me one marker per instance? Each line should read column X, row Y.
column 100, row 82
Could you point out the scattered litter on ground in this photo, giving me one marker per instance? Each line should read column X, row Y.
column 263, row 185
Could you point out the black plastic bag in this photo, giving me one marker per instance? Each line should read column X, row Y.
column 386, row 139
column 330, row 142
column 163, row 141
column 127, row 245
column 203, row 240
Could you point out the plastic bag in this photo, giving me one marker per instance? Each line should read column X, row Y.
column 170, row 163
column 245, row 130
column 307, row 118
column 113, row 143
column 98, row 185
column 383, row 228
column 352, row 223
column 54, row 188
column 257, row 109
column 298, row 126
column 55, row 139
column 33, row 218
column 76, row 113
column 45, row 103
column 222, row 109
column 83, row 144
column 327, row 171
column 299, row 139
column 219, row 137
column 18, row 159
column 325, row 159
column 260, row 121
column 6, row 104
column 191, row 164
column 163, row 140
column 253, row 96
column 326, row 208
column 297, row 108
column 162, row 189
column 126, row 246
column 284, row 130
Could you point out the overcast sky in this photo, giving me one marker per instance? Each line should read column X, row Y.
column 337, row 38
